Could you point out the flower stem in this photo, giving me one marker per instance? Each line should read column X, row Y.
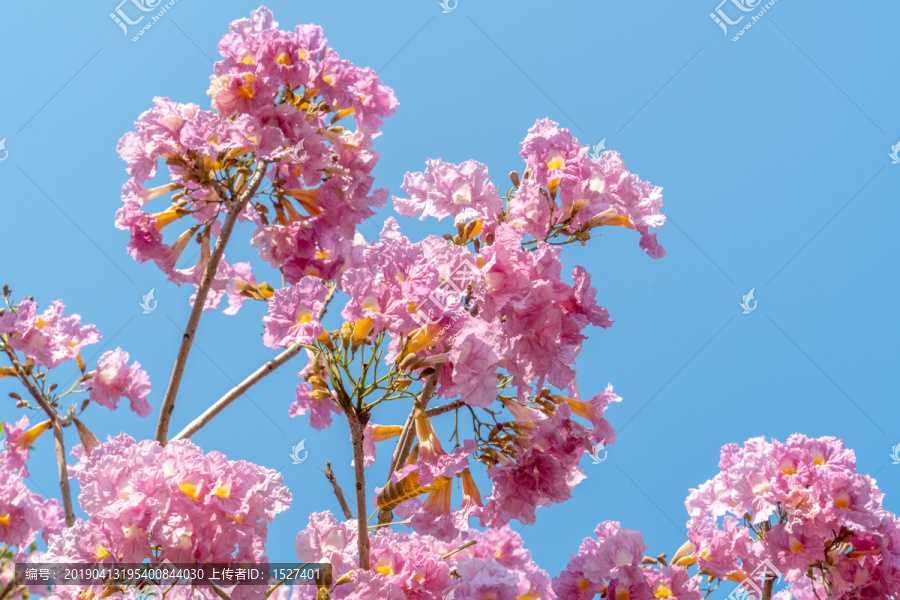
column 57, row 434
column 187, row 340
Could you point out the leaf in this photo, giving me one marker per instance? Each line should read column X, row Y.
column 7, row 372
column 88, row 439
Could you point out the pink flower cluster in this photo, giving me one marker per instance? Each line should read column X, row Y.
column 797, row 504
column 51, row 338
column 114, row 379
column 23, row 513
column 564, row 191
column 277, row 96
column 416, row 566
column 581, row 189
column 175, row 501
column 609, row 564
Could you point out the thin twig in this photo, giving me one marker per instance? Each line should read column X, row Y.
column 240, row 389
column 404, row 444
column 219, row 591
column 329, row 474
column 460, row 549
column 356, row 433
column 168, row 403
column 57, row 434
column 439, row 410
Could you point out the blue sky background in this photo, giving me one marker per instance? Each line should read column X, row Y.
column 772, row 152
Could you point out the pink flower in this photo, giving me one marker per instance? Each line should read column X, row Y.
column 544, row 471
column 293, row 314
column 320, row 409
column 808, row 500
column 405, row 566
column 549, row 150
column 114, row 379
column 194, row 506
column 23, row 513
column 463, row 192
column 19, row 438
column 327, row 540
column 720, row 550
column 672, row 582
column 373, row 434
column 486, row 579
column 49, row 338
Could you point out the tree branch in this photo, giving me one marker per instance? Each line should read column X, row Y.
column 405, row 443
column 238, row 204
column 356, row 433
column 329, row 474
column 439, row 410
column 768, row 584
column 254, row 378
column 57, row 434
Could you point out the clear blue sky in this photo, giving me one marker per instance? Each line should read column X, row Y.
column 773, row 155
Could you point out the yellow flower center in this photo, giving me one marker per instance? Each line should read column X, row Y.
column 555, row 160
column 191, row 489
column 842, row 500
column 283, row 58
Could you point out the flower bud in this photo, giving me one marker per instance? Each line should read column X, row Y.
column 317, row 381
column 325, row 339
column 346, row 333
column 409, row 361
column 319, row 394
column 514, row 177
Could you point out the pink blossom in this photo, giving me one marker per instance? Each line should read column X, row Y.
column 49, row 338
column 320, row 409
column 544, row 471
column 195, row 506
column 18, row 441
column 23, row 513
column 327, row 540
column 115, row 379
column 293, row 314
column 374, row 433
column 463, row 192
column 403, row 565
